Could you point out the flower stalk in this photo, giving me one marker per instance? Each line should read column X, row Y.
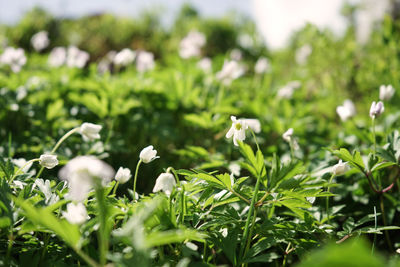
column 135, row 179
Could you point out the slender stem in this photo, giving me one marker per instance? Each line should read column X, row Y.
column 327, row 198
column 253, row 224
column 259, row 203
column 389, row 243
column 255, row 139
column 115, row 188
column 9, row 247
column 102, row 234
column 374, row 134
column 135, row 179
column 178, row 182
column 221, row 93
column 250, row 213
column 376, row 226
column 86, row 258
column 20, row 169
column 240, row 196
column 285, row 256
column 291, row 148
column 62, row 139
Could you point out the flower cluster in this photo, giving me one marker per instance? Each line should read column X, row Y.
column 71, row 56
column 40, row 41
column 13, row 57
column 191, row 45
column 230, row 71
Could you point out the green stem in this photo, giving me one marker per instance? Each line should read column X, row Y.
column 178, row 182
column 291, row 148
column 115, row 188
column 327, row 198
column 374, row 134
column 285, row 256
column 20, row 169
column 86, row 258
column 62, row 139
column 253, row 223
column 135, row 179
column 255, row 139
column 389, row 243
column 250, row 213
column 9, row 247
column 102, row 233
column 376, row 226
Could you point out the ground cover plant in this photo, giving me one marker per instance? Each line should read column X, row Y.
column 196, row 145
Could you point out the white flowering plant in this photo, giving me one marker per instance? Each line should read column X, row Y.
column 196, row 145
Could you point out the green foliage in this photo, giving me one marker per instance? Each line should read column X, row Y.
column 268, row 201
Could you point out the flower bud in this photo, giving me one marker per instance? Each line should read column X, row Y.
column 123, row 175
column 340, row 168
column 165, row 182
column 386, row 92
column 76, row 213
column 148, row 154
column 376, row 109
column 90, row 131
column 48, row 161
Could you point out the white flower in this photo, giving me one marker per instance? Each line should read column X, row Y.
column 124, row 57
column 262, row 65
column 76, row 213
column 40, row 41
column 340, row 168
column 245, row 41
column 237, row 130
column 19, row 184
column 76, row 57
column 165, row 182
column 21, row 163
column 57, row 57
column 48, row 161
column 234, row 168
column 287, row 136
column 145, row 61
column 191, row 45
column 288, row 90
column 376, row 109
column 347, row 110
column 14, row 57
column 123, row 175
column 230, row 71
column 224, row 232
column 148, row 154
column 253, row 124
column 303, row 53
column 386, row 92
column 205, row 64
column 44, row 186
column 80, row 173
column 21, row 93
column 236, row 54
column 106, row 62
column 90, row 131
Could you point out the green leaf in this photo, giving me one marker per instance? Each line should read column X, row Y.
column 172, row 236
column 355, row 160
column 44, row 217
column 382, row 165
column 55, row 110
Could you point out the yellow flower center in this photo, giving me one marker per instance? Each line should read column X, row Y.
column 238, row 126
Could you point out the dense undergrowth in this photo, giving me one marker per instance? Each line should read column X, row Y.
column 272, row 196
